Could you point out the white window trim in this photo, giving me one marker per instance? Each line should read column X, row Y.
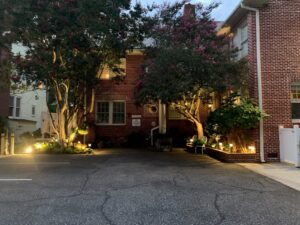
column 294, row 100
column 15, row 107
column 110, row 113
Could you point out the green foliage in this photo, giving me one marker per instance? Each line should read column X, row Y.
column 68, row 42
column 187, row 56
column 57, row 148
column 232, row 116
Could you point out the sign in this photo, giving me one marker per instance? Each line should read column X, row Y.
column 136, row 122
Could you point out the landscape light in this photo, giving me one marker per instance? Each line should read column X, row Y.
column 252, row 149
column 28, row 150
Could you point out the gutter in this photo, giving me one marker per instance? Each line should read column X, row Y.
column 259, row 83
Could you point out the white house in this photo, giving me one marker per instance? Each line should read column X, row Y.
column 25, row 111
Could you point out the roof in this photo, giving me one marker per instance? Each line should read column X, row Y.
column 239, row 12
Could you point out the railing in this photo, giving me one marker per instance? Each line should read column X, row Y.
column 152, row 134
column 7, row 143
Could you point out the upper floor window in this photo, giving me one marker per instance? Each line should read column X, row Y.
column 110, row 113
column 14, row 106
column 240, row 41
column 295, row 100
column 109, row 73
column 244, row 41
column 33, row 111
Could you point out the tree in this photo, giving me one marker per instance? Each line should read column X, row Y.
column 68, row 42
column 187, row 61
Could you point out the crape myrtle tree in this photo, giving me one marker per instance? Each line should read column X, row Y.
column 68, row 42
column 187, row 61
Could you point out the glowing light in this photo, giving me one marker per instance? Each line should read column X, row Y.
column 192, row 139
column 230, row 145
column 89, row 145
column 210, row 105
column 38, row 145
column 28, row 150
column 252, row 149
column 220, row 144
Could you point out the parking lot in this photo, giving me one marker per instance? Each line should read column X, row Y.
column 128, row 187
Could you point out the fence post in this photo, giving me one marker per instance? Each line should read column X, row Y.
column 297, row 133
column 2, row 144
column 12, row 143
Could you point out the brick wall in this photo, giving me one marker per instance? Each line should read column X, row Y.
column 280, row 52
column 109, row 90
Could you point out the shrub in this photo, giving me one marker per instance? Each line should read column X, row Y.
column 233, row 119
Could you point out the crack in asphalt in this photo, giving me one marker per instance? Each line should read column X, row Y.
column 217, row 207
column 102, row 208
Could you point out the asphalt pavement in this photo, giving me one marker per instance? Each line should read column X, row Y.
column 139, row 187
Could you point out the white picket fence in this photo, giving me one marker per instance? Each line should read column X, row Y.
column 289, row 139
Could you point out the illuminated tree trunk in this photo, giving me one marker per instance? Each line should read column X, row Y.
column 199, row 127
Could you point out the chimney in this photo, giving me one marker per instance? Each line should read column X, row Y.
column 189, row 11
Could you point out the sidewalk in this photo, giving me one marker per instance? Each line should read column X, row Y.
column 284, row 173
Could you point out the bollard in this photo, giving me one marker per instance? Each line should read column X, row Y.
column 6, row 143
column 2, row 143
column 12, row 143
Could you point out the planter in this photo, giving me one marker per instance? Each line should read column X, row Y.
column 232, row 157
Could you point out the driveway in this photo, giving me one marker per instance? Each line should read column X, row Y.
column 137, row 187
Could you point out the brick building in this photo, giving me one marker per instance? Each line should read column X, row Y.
column 116, row 117
column 274, row 60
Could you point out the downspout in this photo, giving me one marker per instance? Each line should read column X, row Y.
column 259, row 83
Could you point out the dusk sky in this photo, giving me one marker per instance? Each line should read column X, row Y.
column 220, row 14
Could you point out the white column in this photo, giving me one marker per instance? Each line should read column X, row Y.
column 162, row 117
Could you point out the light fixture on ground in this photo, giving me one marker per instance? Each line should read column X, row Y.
column 28, row 150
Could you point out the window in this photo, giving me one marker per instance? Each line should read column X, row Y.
column 118, row 112
column 244, row 41
column 295, row 100
column 110, row 113
column 174, row 115
column 109, row 73
column 14, row 106
column 11, row 105
column 18, row 106
column 240, row 41
column 33, row 111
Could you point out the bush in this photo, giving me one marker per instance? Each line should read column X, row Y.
column 232, row 120
column 57, row 148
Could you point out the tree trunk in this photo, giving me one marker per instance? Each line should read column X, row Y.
column 61, row 126
column 199, row 130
